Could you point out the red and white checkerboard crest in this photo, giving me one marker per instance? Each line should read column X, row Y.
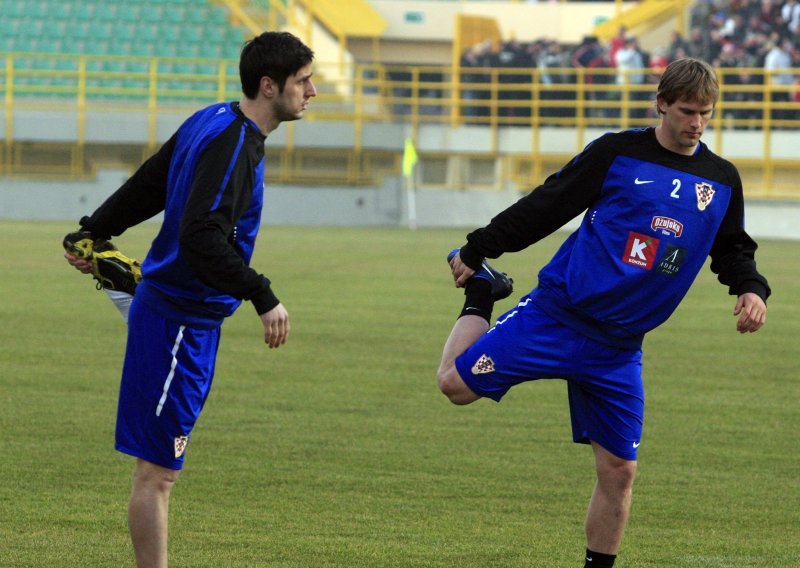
column 180, row 445
column 484, row 364
column 705, row 193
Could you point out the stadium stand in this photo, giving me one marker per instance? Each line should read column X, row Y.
column 176, row 51
column 171, row 29
column 513, row 109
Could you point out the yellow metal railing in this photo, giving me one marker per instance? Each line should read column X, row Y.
column 753, row 100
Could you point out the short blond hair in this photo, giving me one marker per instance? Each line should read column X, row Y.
column 690, row 79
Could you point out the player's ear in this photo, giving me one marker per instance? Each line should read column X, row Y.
column 268, row 87
column 661, row 105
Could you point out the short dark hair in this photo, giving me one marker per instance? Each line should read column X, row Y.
column 277, row 55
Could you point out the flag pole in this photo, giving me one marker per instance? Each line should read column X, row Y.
column 412, row 203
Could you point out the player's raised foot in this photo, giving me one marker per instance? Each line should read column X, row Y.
column 79, row 244
column 113, row 270
column 502, row 283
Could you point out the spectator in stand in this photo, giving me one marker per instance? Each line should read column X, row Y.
column 796, row 92
column 699, row 45
column 588, row 54
column 770, row 13
column 551, row 64
column 790, row 12
column 730, row 59
column 474, row 62
column 630, row 63
column 756, row 33
column 512, row 56
column 676, row 42
column 779, row 58
column 616, row 43
column 734, row 28
column 659, row 61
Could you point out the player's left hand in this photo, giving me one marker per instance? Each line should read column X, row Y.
column 461, row 272
column 752, row 312
column 276, row 326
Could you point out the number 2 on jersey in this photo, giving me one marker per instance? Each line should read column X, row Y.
column 677, row 183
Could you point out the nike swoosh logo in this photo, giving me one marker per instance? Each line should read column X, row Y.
column 486, row 267
column 638, row 181
column 636, row 444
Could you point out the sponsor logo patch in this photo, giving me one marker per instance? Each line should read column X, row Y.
column 180, row 445
column 483, row 365
column 640, row 250
column 666, row 225
column 705, row 193
column 671, row 261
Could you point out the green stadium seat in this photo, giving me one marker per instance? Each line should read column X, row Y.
column 51, row 44
column 123, row 31
column 34, row 9
column 100, row 30
column 14, row 9
column 167, row 31
column 174, row 14
column 197, row 16
column 8, row 27
column 211, row 50
column 27, row 28
column 118, row 28
column 113, row 65
column 146, row 32
column 8, row 43
column 84, row 11
column 61, row 10
column 143, row 49
column 151, row 14
column 106, row 12
column 77, row 30
column 168, row 49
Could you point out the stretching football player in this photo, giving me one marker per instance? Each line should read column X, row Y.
column 208, row 180
column 658, row 202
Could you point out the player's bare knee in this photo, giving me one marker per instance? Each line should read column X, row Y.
column 444, row 379
column 453, row 387
column 617, row 474
column 156, row 477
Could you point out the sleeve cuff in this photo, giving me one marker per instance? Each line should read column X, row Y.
column 264, row 301
column 470, row 257
column 755, row 287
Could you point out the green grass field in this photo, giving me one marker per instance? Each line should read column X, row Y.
column 337, row 449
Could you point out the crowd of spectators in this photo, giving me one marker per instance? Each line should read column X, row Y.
column 730, row 34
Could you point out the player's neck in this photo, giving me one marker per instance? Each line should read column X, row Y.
column 259, row 115
column 666, row 141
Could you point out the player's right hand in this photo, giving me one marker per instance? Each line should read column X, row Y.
column 80, row 264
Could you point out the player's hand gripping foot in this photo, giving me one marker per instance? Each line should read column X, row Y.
column 502, row 284
column 112, row 269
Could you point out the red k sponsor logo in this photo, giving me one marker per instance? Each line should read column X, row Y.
column 640, row 250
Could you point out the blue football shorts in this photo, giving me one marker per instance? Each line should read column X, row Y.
column 606, row 394
column 166, row 379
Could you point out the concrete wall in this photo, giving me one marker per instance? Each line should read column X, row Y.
column 525, row 21
column 339, row 206
column 371, row 206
